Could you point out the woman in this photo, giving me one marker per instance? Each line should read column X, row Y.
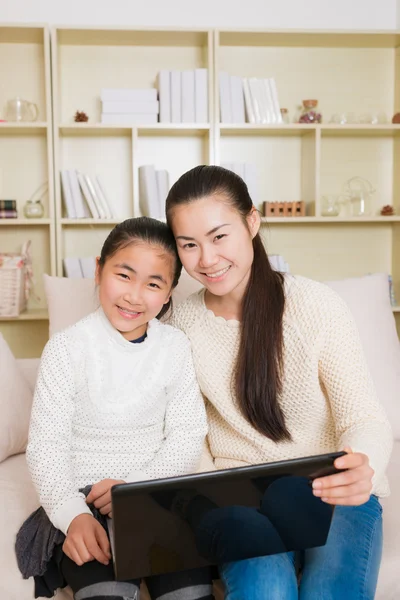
column 280, row 364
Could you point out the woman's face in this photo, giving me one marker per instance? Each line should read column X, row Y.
column 214, row 244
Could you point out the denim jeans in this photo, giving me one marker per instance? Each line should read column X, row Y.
column 346, row 568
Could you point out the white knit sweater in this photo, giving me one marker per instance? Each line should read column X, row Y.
column 328, row 396
column 107, row 408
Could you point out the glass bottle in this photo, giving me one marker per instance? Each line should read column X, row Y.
column 285, row 115
column 33, row 209
column 309, row 113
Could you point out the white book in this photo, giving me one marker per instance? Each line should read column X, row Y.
column 268, row 101
column 176, row 97
column 264, row 112
column 80, row 205
column 201, row 95
column 238, row 168
column 255, row 98
column 250, row 178
column 96, row 199
column 164, row 94
column 105, row 198
column 162, row 178
column 137, row 107
column 250, row 115
column 275, row 100
column 88, row 196
column 72, row 267
column 128, row 95
column 129, row 119
column 187, row 90
column 88, row 267
column 102, row 198
column 67, row 195
column 148, row 192
column 225, row 105
column 237, row 99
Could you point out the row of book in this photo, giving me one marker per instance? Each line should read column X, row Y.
column 8, row 209
column 84, row 196
column 129, row 106
column 77, row 268
column 248, row 99
column 153, row 191
column 183, row 96
column 248, row 172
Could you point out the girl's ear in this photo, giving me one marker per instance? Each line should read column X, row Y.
column 253, row 221
column 98, row 270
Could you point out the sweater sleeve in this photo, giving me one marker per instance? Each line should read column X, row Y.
column 185, row 425
column 49, row 446
column 360, row 420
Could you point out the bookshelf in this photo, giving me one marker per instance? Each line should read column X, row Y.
column 26, row 162
column 347, row 71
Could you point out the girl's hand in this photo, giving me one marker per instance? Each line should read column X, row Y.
column 350, row 488
column 100, row 495
column 86, row 540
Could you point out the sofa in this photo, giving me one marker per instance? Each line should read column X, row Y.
column 367, row 298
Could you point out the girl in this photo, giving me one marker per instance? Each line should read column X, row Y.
column 280, row 364
column 116, row 400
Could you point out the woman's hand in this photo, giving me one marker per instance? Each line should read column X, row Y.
column 100, row 495
column 86, row 540
column 350, row 488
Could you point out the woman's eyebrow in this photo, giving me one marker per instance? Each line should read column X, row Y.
column 185, row 237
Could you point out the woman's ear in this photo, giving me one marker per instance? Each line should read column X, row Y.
column 98, row 271
column 253, row 221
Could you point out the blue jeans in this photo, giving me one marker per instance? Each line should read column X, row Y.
column 346, row 568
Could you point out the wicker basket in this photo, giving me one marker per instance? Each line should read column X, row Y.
column 14, row 282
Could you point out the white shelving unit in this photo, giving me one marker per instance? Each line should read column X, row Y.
column 26, row 161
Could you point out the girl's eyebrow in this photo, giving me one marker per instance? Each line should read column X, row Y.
column 129, row 268
column 184, row 237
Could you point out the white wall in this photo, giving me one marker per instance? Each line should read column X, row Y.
column 299, row 14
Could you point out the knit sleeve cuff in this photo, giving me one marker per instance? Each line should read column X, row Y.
column 67, row 511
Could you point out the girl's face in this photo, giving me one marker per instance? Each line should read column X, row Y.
column 134, row 284
column 214, row 244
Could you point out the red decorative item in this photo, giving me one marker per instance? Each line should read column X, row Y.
column 80, row 117
column 387, row 211
column 396, row 118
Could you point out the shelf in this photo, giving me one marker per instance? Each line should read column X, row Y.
column 295, row 129
column 24, row 222
column 329, row 220
column 167, row 129
column 383, row 130
column 21, row 34
column 8, row 127
column 121, row 36
column 396, row 309
column 33, row 314
column 85, row 222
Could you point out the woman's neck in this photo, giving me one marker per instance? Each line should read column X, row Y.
column 229, row 306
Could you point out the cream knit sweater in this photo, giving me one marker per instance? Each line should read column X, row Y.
column 328, row 396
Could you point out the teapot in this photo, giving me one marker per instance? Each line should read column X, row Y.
column 21, row 110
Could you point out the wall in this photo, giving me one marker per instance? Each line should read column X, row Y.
column 306, row 14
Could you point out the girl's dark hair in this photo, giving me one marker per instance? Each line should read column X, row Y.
column 148, row 231
column 259, row 366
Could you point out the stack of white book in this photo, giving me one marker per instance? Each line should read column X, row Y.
column 80, row 267
column 278, row 263
column 129, row 106
column 183, row 96
column 248, row 173
column 250, row 100
column 153, row 191
column 84, row 196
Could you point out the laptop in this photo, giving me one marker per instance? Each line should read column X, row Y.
column 166, row 525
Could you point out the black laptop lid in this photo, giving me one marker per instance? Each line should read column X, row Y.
column 205, row 519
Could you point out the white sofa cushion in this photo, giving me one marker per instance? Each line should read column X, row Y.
column 15, row 404
column 368, row 299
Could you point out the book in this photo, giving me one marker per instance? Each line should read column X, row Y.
column 201, row 95
column 129, row 119
column 134, row 107
column 128, row 95
column 88, row 267
column 96, row 199
column 8, row 205
column 237, row 99
column 162, row 178
column 8, row 214
column 255, row 98
column 148, row 192
column 88, row 196
column 67, row 195
column 225, row 98
column 250, row 115
column 72, row 267
column 278, row 263
column 99, row 188
column 187, row 91
column 250, row 177
column 80, row 206
column 275, row 101
column 176, row 97
column 164, row 95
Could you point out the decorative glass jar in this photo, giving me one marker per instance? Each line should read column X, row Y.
column 33, row 209
column 309, row 113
